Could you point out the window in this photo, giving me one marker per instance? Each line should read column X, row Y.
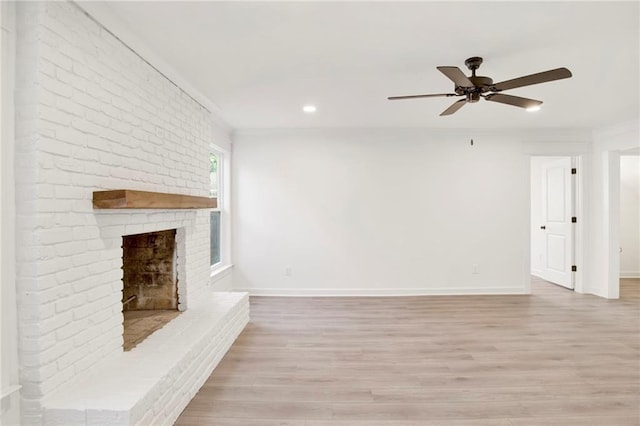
column 215, row 172
column 214, row 175
column 220, row 217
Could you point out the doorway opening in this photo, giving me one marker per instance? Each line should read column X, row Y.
column 629, row 231
column 554, row 216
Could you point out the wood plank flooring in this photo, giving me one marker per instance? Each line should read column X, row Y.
column 552, row 358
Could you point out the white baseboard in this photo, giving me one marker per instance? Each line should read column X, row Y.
column 629, row 274
column 378, row 292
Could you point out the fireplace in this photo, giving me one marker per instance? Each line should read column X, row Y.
column 150, row 290
column 148, row 168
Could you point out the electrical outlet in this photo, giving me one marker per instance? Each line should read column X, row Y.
column 474, row 269
column 287, row 271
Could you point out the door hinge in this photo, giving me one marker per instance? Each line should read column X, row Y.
column 574, row 171
column 574, row 219
column 574, row 268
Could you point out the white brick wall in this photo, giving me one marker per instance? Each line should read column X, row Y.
column 92, row 115
column 161, row 375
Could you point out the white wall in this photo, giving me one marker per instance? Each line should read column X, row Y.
column 630, row 216
column 9, row 370
column 381, row 212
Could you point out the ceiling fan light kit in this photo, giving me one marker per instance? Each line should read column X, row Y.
column 474, row 87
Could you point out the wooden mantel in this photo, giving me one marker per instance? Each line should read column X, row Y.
column 130, row 199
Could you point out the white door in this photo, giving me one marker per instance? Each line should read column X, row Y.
column 556, row 226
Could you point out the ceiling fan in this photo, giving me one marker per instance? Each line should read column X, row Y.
column 475, row 87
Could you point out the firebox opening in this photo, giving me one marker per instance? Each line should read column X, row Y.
column 150, row 291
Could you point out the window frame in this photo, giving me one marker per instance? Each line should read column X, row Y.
column 224, row 179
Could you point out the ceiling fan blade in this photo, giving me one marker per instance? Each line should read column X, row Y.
column 454, row 74
column 513, row 100
column 453, row 108
column 528, row 80
column 434, row 95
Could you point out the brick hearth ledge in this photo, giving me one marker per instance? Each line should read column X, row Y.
column 154, row 382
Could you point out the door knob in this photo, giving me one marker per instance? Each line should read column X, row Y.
column 543, row 227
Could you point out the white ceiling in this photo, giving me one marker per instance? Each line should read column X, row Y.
column 260, row 62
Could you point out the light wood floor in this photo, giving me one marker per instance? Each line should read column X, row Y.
column 552, row 358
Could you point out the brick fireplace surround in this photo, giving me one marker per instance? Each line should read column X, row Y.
column 93, row 115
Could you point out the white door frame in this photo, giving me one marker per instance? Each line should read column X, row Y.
column 613, row 220
column 579, row 227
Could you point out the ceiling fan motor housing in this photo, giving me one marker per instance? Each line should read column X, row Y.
column 480, row 85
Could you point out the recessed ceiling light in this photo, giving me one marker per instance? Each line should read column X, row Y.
column 309, row 108
column 534, row 108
